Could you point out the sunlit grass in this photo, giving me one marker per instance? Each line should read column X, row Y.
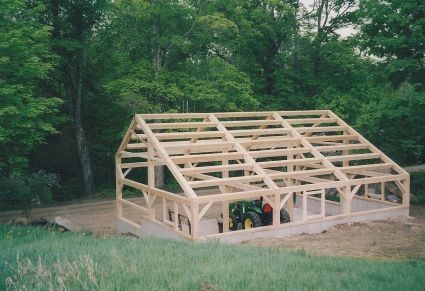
column 34, row 258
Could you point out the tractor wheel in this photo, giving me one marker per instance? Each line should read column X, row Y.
column 284, row 216
column 233, row 222
column 251, row 220
column 267, row 218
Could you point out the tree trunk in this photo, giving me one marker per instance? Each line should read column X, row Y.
column 75, row 96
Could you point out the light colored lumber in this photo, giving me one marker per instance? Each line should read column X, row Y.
column 207, row 157
column 269, row 141
column 219, row 168
column 310, row 120
column 353, row 157
column 198, row 146
column 321, row 138
column 381, row 166
column 241, row 123
column 256, row 142
column 283, row 163
column 334, row 148
column 278, row 152
column 183, row 135
column 265, row 131
column 224, row 181
column 319, row 129
column 363, row 140
column 163, row 153
column 175, row 125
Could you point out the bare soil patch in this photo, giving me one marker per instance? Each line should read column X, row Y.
column 401, row 238
column 395, row 238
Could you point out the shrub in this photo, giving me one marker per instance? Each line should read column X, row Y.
column 27, row 190
column 417, row 186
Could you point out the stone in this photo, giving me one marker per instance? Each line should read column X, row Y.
column 66, row 224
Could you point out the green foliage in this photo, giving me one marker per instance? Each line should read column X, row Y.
column 26, row 114
column 417, row 187
column 395, row 122
column 395, row 30
column 112, row 59
column 27, row 190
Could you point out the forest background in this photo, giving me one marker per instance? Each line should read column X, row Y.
column 73, row 72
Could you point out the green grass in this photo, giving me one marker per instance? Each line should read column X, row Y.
column 36, row 258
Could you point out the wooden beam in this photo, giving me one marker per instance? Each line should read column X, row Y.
column 248, row 159
column 240, row 123
column 353, row 157
column 372, row 148
column 317, row 154
column 175, row 125
column 207, row 157
column 183, row 135
column 225, row 181
column 278, row 152
column 198, row 146
column 283, row 163
column 310, row 120
column 265, row 131
column 219, row 168
column 353, row 169
column 163, row 153
column 334, row 148
column 297, row 174
column 319, row 129
column 322, row 138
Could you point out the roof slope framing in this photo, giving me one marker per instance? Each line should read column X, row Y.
column 224, row 157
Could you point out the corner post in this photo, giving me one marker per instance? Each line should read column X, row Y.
column 118, row 187
column 195, row 219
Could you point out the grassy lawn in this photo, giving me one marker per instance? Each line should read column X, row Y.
column 35, row 258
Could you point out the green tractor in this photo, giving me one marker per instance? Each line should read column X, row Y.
column 253, row 213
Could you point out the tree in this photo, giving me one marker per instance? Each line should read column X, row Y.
column 27, row 115
column 73, row 23
column 394, row 30
column 395, row 122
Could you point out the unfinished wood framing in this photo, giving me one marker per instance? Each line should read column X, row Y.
column 282, row 156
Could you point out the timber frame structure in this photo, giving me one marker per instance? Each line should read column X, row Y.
column 297, row 160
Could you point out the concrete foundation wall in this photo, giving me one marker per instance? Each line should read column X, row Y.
column 208, row 229
column 317, row 226
column 334, row 208
column 313, row 205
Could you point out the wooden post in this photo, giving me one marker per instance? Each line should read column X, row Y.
column 118, row 187
column 195, row 221
column 226, row 216
column 151, row 178
column 164, row 210
column 346, row 163
column 406, row 192
column 346, row 200
column 276, row 209
column 382, row 191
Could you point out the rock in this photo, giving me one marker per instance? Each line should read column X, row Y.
column 22, row 221
column 331, row 191
column 393, row 198
column 66, row 224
